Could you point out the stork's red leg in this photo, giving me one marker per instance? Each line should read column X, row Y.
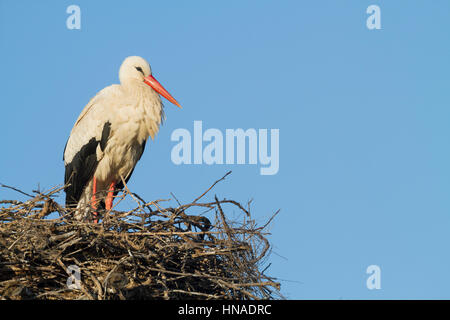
column 94, row 199
column 110, row 196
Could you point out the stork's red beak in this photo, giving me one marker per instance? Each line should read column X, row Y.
column 152, row 82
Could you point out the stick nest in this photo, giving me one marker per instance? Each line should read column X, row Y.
column 190, row 251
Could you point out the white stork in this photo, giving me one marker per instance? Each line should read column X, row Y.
column 109, row 137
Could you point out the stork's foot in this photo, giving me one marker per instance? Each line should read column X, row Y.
column 95, row 214
column 110, row 197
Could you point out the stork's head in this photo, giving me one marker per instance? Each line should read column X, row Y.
column 134, row 69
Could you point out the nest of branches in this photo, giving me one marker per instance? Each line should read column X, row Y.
column 189, row 251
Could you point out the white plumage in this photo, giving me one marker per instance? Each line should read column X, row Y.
column 109, row 136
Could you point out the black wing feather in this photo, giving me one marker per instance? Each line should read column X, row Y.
column 81, row 169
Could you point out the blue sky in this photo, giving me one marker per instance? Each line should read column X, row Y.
column 363, row 116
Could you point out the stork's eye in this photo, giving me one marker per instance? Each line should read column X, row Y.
column 140, row 70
